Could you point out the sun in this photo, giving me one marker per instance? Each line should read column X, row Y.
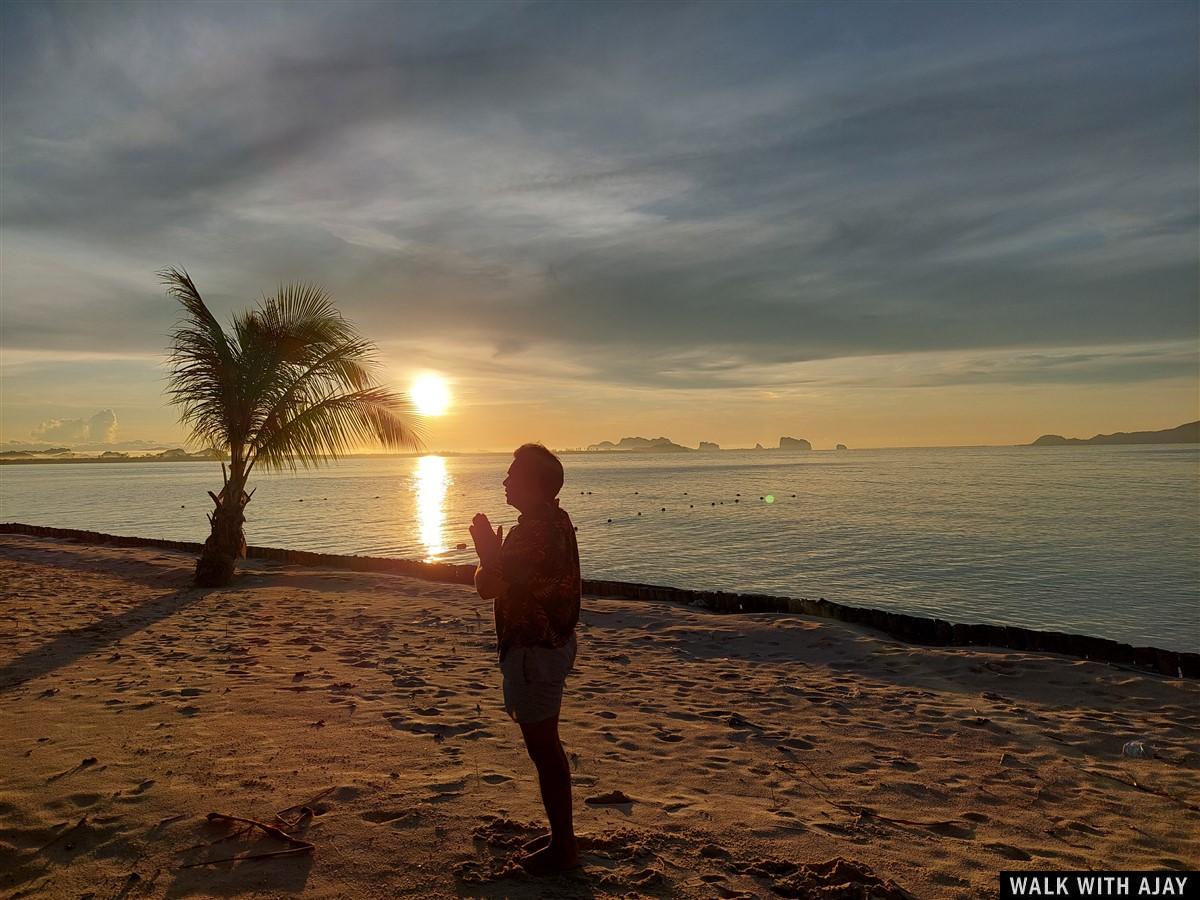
column 430, row 394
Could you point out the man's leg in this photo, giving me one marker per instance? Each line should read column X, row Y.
column 554, row 777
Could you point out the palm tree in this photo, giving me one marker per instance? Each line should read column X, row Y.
column 293, row 384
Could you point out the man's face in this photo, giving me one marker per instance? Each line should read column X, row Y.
column 520, row 487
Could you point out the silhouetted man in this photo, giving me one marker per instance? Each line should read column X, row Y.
column 533, row 577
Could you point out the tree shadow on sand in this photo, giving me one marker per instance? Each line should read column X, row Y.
column 162, row 569
column 75, row 643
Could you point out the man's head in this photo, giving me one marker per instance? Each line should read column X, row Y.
column 534, row 477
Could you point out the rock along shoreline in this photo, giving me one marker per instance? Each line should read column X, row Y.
column 909, row 628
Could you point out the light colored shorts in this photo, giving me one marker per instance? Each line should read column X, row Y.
column 534, row 679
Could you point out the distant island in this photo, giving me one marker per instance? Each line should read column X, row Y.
column 665, row 445
column 641, row 445
column 66, row 455
column 1184, row 434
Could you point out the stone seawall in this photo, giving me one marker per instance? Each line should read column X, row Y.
column 914, row 629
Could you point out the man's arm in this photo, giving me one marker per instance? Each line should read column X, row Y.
column 489, row 583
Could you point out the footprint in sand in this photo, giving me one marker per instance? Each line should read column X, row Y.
column 861, row 767
column 495, row 778
column 440, row 730
column 1009, row 852
column 953, row 829
column 795, row 743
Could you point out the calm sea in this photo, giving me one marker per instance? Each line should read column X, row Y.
column 1093, row 540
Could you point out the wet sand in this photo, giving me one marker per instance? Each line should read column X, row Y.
column 757, row 754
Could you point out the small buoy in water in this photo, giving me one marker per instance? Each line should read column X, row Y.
column 793, row 495
column 737, row 501
column 581, row 493
column 576, row 527
column 685, row 493
column 610, row 521
column 760, row 498
column 589, row 493
column 714, row 503
column 639, row 514
column 182, row 506
column 664, row 509
column 737, row 495
column 460, row 546
column 691, row 506
column 301, row 500
column 635, row 492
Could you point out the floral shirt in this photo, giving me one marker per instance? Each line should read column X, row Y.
column 539, row 565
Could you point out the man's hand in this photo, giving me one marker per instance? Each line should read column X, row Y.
column 487, row 542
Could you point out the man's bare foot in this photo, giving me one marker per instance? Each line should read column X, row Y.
column 550, row 859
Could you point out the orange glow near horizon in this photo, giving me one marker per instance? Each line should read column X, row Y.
column 430, row 476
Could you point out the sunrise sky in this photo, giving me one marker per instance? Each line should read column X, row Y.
column 876, row 224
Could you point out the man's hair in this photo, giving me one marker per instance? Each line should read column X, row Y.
column 547, row 470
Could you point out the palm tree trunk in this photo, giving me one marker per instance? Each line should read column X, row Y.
column 226, row 542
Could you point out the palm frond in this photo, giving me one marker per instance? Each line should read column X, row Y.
column 293, row 383
column 334, row 424
column 348, row 366
column 203, row 366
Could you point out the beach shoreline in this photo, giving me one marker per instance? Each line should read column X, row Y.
column 754, row 749
column 917, row 629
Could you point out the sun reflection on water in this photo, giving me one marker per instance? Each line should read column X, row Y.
column 431, row 496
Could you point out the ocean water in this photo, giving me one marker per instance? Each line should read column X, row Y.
column 1092, row 540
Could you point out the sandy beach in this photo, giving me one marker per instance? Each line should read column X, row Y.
column 754, row 755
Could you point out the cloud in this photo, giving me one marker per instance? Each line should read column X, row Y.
column 621, row 185
column 99, row 429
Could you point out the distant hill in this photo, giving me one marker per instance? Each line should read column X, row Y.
column 641, row 444
column 1184, row 434
column 180, row 454
column 29, row 454
column 791, row 443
